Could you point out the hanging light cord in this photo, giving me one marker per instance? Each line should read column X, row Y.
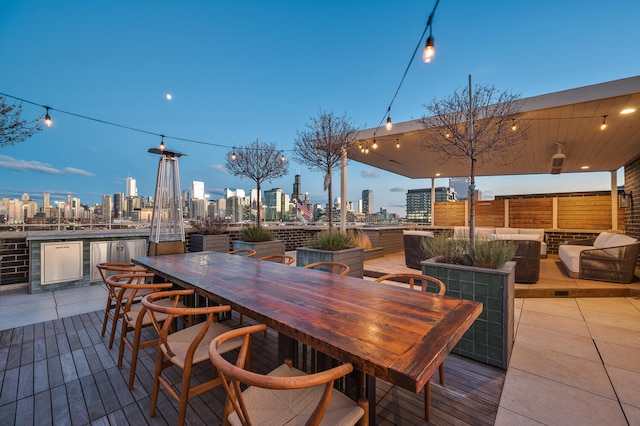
column 413, row 55
column 115, row 124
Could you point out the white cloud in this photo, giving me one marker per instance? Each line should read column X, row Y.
column 78, row 171
column 219, row 168
column 369, row 173
column 27, row 166
column 397, row 189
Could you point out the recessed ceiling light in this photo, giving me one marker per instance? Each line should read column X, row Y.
column 437, row 174
column 584, row 167
column 628, row 111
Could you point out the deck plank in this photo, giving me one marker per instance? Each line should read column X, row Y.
column 61, row 372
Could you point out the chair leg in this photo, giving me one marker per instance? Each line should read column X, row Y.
column 114, row 325
column 156, row 382
column 184, row 394
column 123, row 335
column 106, row 316
column 441, row 373
column 134, row 356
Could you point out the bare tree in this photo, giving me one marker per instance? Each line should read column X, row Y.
column 472, row 123
column 13, row 128
column 321, row 147
column 260, row 162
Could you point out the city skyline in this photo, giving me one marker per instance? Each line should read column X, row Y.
column 240, row 72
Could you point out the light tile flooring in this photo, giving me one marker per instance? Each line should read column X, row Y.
column 576, row 361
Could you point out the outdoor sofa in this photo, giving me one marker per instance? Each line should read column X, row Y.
column 609, row 257
column 515, row 234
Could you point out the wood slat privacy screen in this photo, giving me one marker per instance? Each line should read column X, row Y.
column 580, row 212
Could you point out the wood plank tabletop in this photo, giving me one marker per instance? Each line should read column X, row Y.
column 395, row 334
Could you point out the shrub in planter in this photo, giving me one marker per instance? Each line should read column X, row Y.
column 333, row 241
column 483, row 254
column 255, row 234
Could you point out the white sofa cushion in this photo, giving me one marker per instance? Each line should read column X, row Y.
column 506, row 230
column 539, row 233
column 611, row 239
column 420, row 233
column 529, row 237
column 570, row 255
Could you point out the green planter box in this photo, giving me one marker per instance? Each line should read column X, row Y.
column 218, row 242
column 263, row 248
column 354, row 258
column 490, row 338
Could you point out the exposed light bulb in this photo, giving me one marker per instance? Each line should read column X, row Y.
column 233, row 156
column 513, row 125
column 375, row 144
column 47, row 118
column 397, row 143
column 429, row 50
column 366, row 150
column 603, row 126
column 282, row 158
column 389, row 124
column 162, row 143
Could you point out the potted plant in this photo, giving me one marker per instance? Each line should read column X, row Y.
column 210, row 235
column 333, row 246
column 260, row 239
column 483, row 272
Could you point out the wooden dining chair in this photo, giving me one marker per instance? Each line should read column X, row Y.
column 426, row 283
column 107, row 269
column 243, row 252
column 286, row 395
column 183, row 348
column 279, row 258
column 332, row 267
column 134, row 317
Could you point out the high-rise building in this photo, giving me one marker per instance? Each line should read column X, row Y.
column 367, row 201
column 132, row 189
column 46, row 202
column 461, row 187
column 419, row 203
column 296, row 194
column 272, row 204
column 197, row 190
column 118, row 205
column 106, row 206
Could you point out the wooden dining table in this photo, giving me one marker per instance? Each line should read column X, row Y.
column 387, row 332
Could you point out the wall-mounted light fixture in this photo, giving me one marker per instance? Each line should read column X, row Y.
column 557, row 160
column 624, row 200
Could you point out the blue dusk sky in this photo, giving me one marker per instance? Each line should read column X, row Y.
column 244, row 70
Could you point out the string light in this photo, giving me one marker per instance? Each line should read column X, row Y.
column 603, row 126
column 513, row 125
column 429, row 50
column 397, row 143
column 162, row 143
column 282, row 158
column 389, row 124
column 233, row 156
column 375, row 144
column 47, row 118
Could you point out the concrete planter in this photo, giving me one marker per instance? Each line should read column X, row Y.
column 201, row 242
column 262, row 248
column 353, row 257
column 490, row 338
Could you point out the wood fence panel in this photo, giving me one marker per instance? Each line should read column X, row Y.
column 531, row 213
column 588, row 212
column 448, row 213
column 490, row 213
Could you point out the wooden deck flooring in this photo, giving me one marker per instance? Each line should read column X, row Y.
column 62, row 373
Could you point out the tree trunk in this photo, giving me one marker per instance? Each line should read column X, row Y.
column 258, row 204
column 330, row 202
column 472, row 208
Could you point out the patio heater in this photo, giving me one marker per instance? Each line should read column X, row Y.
column 167, row 225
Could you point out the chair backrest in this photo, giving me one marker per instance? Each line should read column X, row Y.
column 279, row 258
column 126, row 286
column 332, row 267
column 235, row 376
column 111, row 268
column 243, row 252
column 436, row 286
column 166, row 310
